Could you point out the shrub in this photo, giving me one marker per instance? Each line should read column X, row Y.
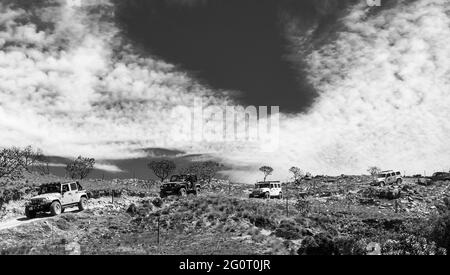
column 441, row 231
column 288, row 229
column 320, row 244
column 80, row 167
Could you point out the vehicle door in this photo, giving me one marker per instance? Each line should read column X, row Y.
column 66, row 197
column 272, row 189
column 74, row 192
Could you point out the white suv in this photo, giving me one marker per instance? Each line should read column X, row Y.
column 55, row 197
column 267, row 189
column 389, row 177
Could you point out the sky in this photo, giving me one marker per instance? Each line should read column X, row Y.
column 356, row 86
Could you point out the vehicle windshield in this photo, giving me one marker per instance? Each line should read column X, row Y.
column 51, row 188
column 177, row 178
column 381, row 175
column 262, row 185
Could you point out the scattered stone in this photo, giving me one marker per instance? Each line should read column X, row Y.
column 158, row 202
column 373, row 249
column 132, row 209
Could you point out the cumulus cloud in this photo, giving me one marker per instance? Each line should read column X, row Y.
column 63, row 89
column 76, row 87
column 383, row 86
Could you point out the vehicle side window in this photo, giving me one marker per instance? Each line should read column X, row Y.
column 398, row 173
column 73, row 186
column 271, row 185
column 65, row 188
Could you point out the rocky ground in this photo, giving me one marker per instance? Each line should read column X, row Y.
column 340, row 215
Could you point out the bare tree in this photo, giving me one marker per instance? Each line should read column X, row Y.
column 205, row 170
column 10, row 162
column 267, row 170
column 30, row 157
column 162, row 168
column 297, row 174
column 373, row 170
column 80, row 167
column 43, row 164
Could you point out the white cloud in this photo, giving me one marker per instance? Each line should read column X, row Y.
column 383, row 94
column 64, row 91
column 383, row 99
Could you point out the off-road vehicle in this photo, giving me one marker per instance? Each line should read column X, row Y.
column 388, row 177
column 440, row 176
column 55, row 197
column 267, row 189
column 180, row 185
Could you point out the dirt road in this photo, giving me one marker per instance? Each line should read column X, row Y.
column 18, row 221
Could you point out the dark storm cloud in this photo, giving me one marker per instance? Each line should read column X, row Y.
column 237, row 45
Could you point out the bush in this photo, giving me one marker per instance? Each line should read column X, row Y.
column 320, row 244
column 407, row 244
column 350, row 246
column 441, row 231
column 303, row 206
column 289, row 230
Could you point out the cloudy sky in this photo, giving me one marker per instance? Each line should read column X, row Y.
column 356, row 85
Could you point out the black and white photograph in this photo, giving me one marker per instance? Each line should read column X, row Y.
column 228, row 128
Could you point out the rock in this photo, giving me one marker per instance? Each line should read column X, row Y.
column 390, row 194
column 373, row 249
column 73, row 248
column 158, row 202
column 132, row 209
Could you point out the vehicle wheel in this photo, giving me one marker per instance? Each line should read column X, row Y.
column 82, row 203
column 197, row 191
column 280, row 196
column 267, row 195
column 30, row 214
column 183, row 192
column 399, row 181
column 55, row 208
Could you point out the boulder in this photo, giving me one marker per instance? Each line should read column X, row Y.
column 158, row 202
column 132, row 209
column 373, row 249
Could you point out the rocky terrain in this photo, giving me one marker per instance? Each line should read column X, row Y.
column 325, row 215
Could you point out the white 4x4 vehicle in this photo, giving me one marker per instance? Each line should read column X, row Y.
column 55, row 197
column 267, row 189
column 389, row 177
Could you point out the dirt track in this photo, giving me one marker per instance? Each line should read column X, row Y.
column 18, row 221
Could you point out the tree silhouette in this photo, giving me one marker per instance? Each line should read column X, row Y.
column 267, row 170
column 162, row 168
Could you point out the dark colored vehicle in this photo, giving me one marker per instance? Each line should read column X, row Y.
column 440, row 176
column 180, row 185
